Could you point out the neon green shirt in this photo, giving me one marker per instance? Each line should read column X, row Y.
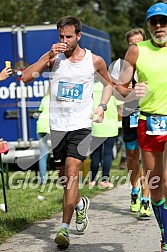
column 151, row 66
column 109, row 126
column 42, row 125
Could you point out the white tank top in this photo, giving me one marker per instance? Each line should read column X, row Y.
column 71, row 93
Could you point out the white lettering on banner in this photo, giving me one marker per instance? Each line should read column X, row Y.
column 38, row 89
column 12, row 90
column 4, row 92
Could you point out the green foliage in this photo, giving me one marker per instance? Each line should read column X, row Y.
column 113, row 16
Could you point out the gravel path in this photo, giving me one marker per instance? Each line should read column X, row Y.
column 112, row 227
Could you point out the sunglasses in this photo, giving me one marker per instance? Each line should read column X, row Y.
column 161, row 21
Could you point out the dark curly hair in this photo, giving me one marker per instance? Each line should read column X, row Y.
column 69, row 20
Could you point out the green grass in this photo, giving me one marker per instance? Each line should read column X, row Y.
column 24, row 207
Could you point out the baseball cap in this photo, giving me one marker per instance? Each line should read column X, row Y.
column 157, row 9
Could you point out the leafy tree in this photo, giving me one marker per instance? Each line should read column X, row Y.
column 113, row 16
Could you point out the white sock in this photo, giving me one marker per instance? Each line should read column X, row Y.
column 80, row 205
column 65, row 225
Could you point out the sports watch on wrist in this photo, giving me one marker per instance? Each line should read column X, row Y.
column 104, row 106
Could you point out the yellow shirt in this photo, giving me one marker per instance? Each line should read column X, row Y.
column 109, row 126
column 151, row 66
column 43, row 120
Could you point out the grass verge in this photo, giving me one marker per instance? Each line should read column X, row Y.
column 24, row 207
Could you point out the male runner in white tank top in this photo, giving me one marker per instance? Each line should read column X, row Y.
column 72, row 77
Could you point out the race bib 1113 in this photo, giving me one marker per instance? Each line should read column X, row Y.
column 70, row 91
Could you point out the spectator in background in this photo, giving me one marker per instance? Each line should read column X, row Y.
column 4, row 74
column 43, row 132
column 103, row 138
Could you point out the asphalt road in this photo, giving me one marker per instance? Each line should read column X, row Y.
column 112, row 227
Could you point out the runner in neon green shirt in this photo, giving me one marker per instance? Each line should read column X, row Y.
column 149, row 58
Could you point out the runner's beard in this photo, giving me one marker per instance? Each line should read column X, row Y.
column 159, row 40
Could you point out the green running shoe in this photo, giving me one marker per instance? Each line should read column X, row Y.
column 62, row 238
column 82, row 220
column 145, row 210
column 135, row 202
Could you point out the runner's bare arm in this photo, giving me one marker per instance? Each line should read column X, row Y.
column 45, row 62
column 109, row 87
column 36, row 69
column 103, row 76
column 128, row 71
column 127, row 74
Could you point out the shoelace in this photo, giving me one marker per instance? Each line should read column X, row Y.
column 145, row 205
column 134, row 198
column 64, row 232
column 80, row 216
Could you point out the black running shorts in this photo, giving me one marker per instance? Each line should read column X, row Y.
column 129, row 134
column 70, row 144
